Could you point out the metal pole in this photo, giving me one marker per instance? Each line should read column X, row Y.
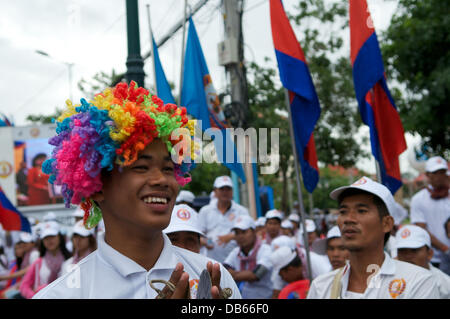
column 182, row 53
column 299, row 189
column 152, row 49
column 135, row 63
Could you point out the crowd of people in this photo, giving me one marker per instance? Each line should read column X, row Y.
column 139, row 236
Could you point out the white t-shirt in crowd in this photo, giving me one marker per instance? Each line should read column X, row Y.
column 261, row 289
column 214, row 224
column 442, row 280
column 395, row 280
column 434, row 213
column 108, row 274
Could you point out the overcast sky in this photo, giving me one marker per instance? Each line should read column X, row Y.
column 92, row 36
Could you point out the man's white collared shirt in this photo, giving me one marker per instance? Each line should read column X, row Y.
column 107, row 274
column 214, row 224
column 394, row 280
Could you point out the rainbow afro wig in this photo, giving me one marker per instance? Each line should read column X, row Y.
column 112, row 129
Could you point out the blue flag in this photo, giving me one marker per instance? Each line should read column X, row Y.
column 162, row 86
column 201, row 101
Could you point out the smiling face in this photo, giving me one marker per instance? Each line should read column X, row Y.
column 360, row 223
column 51, row 243
column 140, row 197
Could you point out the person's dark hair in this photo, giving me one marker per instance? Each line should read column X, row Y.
column 38, row 156
column 378, row 202
column 62, row 247
column 296, row 262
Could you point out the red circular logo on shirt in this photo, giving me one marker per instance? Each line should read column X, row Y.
column 183, row 214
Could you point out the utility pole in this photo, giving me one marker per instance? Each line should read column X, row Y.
column 231, row 56
column 135, row 63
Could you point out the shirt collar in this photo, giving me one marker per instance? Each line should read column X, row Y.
column 126, row 266
column 232, row 207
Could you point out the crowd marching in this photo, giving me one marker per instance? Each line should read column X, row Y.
column 136, row 235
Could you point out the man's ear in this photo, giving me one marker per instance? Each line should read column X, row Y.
column 388, row 223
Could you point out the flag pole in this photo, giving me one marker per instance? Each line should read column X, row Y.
column 182, row 53
column 152, row 49
column 299, row 189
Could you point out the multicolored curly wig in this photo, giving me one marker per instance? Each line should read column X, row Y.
column 112, row 129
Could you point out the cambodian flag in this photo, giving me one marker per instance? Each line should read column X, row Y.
column 304, row 103
column 376, row 105
column 10, row 217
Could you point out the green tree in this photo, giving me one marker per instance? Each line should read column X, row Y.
column 416, row 48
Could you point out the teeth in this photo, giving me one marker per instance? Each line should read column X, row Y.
column 155, row 200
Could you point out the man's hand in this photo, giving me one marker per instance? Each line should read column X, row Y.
column 214, row 272
column 180, row 281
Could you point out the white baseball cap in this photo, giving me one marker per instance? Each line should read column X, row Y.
column 293, row 217
column 282, row 241
column 282, row 257
column 435, row 163
column 50, row 228
column 79, row 212
column 412, row 236
column 319, row 246
column 274, row 213
column 287, row 224
column 223, row 181
column 261, row 221
column 183, row 218
column 79, row 229
column 25, row 237
column 310, row 226
column 370, row 186
column 244, row 222
column 185, row 196
column 49, row 216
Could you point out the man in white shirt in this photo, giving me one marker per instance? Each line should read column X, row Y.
column 365, row 224
column 217, row 218
column 430, row 207
column 249, row 263
column 413, row 245
column 131, row 179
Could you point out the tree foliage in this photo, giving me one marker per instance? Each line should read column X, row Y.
column 417, row 52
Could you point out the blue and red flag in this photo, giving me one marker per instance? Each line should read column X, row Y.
column 201, row 101
column 376, row 104
column 10, row 217
column 304, row 103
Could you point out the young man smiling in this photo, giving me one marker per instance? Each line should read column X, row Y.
column 365, row 224
column 113, row 156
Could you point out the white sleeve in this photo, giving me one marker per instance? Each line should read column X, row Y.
column 263, row 257
column 417, row 213
column 231, row 259
column 426, row 288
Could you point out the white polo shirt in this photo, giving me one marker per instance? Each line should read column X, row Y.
column 442, row 280
column 261, row 289
column 434, row 213
column 107, row 274
column 214, row 224
column 395, row 280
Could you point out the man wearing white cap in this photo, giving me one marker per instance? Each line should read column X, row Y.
column 249, row 263
column 430, row 207
column 287, row 228
column 261, row 227
column 288, row 266
column 184, row 229
column 365, row 223
column 273, row 225
column 414, row 246
column 319, row 264
column 217, row 219
column 295, row 220
column 185, row 197
column 333, row 247
column 311, row 230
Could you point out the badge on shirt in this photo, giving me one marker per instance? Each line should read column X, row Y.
column 193, row 287
column 396, row 287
